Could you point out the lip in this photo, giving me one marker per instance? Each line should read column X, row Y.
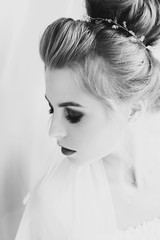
column 66, row 151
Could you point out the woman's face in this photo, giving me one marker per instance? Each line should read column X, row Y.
column 82, row 125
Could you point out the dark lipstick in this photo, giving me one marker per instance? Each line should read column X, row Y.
column 67, row 151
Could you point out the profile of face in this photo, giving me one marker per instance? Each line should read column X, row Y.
column 85, row 130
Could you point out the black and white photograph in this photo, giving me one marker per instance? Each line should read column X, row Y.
column 80, row 120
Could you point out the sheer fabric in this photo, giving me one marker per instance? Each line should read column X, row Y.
column 72, row 202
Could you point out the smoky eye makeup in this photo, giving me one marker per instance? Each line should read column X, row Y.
column 51, row 110
column 73, row 116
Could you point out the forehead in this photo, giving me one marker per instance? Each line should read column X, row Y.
column 61, row 80
column 62, row 85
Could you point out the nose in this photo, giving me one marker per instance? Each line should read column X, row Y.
column 57, row 128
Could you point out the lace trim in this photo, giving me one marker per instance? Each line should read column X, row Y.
column 148, row 231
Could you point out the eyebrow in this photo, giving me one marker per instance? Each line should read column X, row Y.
column 66, row 104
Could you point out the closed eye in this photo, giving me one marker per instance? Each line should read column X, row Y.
column 73, row 116
column 51, row 110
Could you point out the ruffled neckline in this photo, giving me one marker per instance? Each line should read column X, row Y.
column 145, row 231
column 87, row 177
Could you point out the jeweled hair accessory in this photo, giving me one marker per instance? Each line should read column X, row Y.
column 115, row 25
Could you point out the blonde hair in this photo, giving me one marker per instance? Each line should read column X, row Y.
column 109, row 65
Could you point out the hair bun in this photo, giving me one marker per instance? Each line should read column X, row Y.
column 141, row 16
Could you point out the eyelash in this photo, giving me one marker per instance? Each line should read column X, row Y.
column 72, row 116
column 51, row 110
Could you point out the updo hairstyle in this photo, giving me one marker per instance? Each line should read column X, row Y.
column 109, row 64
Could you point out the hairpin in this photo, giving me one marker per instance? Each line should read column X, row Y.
column 116, row 25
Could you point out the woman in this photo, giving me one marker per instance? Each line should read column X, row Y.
column 100, row 77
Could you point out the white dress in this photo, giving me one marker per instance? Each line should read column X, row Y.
column 74, row 203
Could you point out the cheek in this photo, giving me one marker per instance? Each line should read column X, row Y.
column 112, row 137
column 106, row 139
column 102, row 137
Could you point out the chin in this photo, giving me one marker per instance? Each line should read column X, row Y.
column 82, row 160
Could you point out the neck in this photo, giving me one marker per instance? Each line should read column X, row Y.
column 118, row 172
column 113, row 167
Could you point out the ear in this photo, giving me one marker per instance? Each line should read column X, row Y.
column 137, row 110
